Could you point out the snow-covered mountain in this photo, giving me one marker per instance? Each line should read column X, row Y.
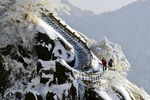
column 42, row 58
column 128, row 26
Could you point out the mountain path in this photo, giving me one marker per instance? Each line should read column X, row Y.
column 83, row 53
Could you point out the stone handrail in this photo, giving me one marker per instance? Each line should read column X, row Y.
column 71, row 33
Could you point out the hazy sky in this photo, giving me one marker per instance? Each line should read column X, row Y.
column 100, row 6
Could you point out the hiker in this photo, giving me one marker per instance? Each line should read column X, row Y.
column 104, row 64
column 82, row 66
column 110, row 63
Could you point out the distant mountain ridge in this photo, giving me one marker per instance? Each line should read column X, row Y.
column 129, row 27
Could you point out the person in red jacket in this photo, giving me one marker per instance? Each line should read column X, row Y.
column 104, row 63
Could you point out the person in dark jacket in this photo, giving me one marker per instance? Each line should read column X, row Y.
column 110, row 63
column 104, row 63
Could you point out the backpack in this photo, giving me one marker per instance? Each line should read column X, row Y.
column 110, row 63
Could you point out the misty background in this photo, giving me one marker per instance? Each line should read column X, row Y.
column 129, row 27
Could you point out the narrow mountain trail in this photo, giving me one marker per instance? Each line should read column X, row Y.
column 84, row 56
column 83, row 53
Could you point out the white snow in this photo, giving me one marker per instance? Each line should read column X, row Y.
column 43, row 27
column 47, row 64
column 47, row 76
column 60, row 88
column 108, row 80
column 78, row 34
column 124, row 92
column 64, row 54
column 104, row 95
column 96, row 64
column 128, row 27
column 113, row 51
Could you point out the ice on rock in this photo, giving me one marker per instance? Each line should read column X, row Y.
column 56, row 64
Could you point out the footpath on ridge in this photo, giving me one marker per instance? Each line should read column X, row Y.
column 84, row 55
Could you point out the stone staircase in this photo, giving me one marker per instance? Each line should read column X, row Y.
column 83, row 53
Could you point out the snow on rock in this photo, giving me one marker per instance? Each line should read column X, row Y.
column 114, row 83
column 59, row 51
column 41, row 72
column 113, row 51
column 43, row 27
column 117, row 87
column 37, row 63
column 59, row 47
column 96, row 64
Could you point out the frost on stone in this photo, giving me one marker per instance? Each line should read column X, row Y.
column 38, row 62
column 18, row 17
column 113, row 51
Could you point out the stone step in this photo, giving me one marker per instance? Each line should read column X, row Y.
column 82, row 53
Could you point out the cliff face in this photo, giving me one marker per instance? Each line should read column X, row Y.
column 45, row 69
column 50, row 61
column 38, row 72
column 39, row 69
